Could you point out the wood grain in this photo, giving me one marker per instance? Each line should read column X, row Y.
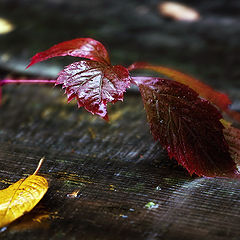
column 114, row 168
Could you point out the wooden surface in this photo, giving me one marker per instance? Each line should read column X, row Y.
column 116, row 167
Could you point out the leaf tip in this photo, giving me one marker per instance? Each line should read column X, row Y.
column 106, row 118
column 29, row 65
column 32, row 61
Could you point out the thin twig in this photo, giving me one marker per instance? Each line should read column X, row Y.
column 23, row 81
column 26, row 81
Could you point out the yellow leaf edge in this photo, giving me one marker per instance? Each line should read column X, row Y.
column 21, row 197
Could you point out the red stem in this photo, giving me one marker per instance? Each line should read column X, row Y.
column 26, row 81
column 23, row 81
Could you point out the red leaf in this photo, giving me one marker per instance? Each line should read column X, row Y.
column 188, row 127
column 219, row 99
column 94, row 84
column 80, row 47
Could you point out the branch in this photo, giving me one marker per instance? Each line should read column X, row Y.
column 26, row 81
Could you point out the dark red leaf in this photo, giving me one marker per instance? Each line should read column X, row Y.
column 94, row 84
column 219, row 99
column 80, row 47
column 188, row 127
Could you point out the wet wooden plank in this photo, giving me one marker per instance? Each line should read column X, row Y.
column 127, row 187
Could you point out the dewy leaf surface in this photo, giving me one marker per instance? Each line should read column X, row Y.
column 21, row 197
column 187, row 126
column 94, row 84
column 80, row 47
column 219, row 99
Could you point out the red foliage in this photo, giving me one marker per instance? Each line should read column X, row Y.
column 80, row 47
column 94, row 84
column 219, row 99
column 188, row 127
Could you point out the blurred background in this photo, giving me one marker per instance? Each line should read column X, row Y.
column 201, row 38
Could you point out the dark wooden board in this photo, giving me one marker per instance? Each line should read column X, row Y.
column 117, row 169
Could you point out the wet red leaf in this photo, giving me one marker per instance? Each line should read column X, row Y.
column 219, row 99
column 94, row 84
column 187, row 126
column 80, row 47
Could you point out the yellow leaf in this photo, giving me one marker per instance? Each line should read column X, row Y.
column 21, row 197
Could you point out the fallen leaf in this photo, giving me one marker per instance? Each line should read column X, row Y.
column 21, row 197
column 219, row 99
column 94, row 84
column 188, row 127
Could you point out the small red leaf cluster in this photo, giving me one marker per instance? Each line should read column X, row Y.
column 187, row 126
column 93, row 82
column 80, row 47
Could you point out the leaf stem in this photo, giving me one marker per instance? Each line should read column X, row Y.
column 39, row 165
column 23, row 81
column 26, row 81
